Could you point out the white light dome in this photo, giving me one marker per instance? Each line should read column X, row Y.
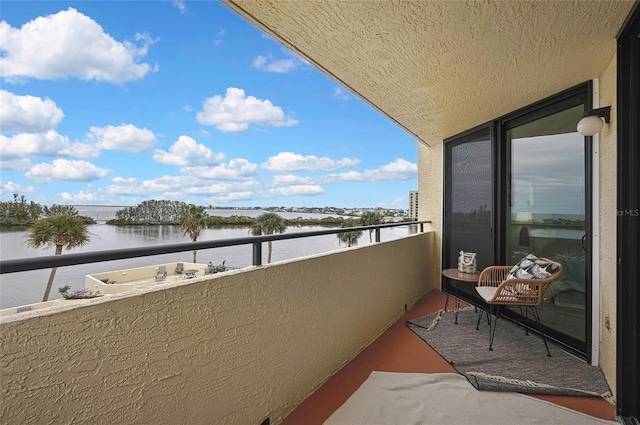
column 591, row 125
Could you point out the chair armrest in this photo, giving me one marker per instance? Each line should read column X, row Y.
column 521, row 291
column 493, row 275
column 516, row 291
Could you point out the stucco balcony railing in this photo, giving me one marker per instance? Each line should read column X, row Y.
column 229, row 348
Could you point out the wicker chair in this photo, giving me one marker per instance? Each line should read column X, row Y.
column 497, row 289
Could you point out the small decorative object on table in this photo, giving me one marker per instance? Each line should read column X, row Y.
column 467, row 262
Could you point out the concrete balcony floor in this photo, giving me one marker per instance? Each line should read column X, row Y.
column 400, row 350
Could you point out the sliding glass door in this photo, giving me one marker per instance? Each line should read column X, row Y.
column 547, row 213
column 522, row 184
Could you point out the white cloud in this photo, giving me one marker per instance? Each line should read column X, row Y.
column 28, row 114
column 176, row 187
column 231, row 197
column 187, row 152
column 287, row 179
column 15, row 164
column 62, row 169
column 118, row 180
column 296, row 190
column 340, row 93
column 268, row 64
column 123, row 137
column 80, row 150
column 398, row 202
column 133, row 186
column 236, row 111
column 69, row 44
column 218, row 39
column 349, row 176
column 79, row 197
column 11, row 187
column 179, row 4
column 289, row 161
column 235, row 169
column 48, row 144
column 206, row 188
column 400, row 169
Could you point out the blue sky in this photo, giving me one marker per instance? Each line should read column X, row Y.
column 114, row 103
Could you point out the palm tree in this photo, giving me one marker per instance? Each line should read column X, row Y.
column 371, row 218
column 350, row 238
column 192, row 221
column 62, row 230
column 268, row 224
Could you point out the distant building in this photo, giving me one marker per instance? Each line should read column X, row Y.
column 413, row 204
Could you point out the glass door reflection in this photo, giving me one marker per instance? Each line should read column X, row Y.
column 547, row 214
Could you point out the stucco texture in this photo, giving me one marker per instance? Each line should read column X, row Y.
column 608, row 226
column 235, row 348
column 430, row 184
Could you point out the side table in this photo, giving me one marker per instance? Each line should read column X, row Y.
column 455, row 274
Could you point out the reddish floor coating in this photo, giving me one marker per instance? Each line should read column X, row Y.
column 400, row 350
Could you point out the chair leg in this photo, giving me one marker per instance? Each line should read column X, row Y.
column 482, row 313
column 446, row 301
column 479, row 318
column 536, row 316
column 492, row 332
column 526, row 318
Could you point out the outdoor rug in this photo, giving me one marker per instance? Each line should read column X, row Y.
column 388, row 398
column 518, row 363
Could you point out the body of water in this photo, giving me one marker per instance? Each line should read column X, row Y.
column 28, row 287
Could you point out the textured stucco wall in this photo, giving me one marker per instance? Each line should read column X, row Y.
column 608, row 230
column 430, row 160
column 231, row 349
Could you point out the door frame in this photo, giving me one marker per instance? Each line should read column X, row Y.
column 628, row 218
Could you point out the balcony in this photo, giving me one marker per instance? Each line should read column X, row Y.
column 236, row 347
column 289, row 341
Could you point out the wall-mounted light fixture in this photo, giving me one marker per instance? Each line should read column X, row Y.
column 591, row 123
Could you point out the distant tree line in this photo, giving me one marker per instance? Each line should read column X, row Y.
column 151, row 212
column 172, row 212
column 21, row 212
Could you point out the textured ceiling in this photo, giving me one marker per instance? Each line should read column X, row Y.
column 441, row 67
